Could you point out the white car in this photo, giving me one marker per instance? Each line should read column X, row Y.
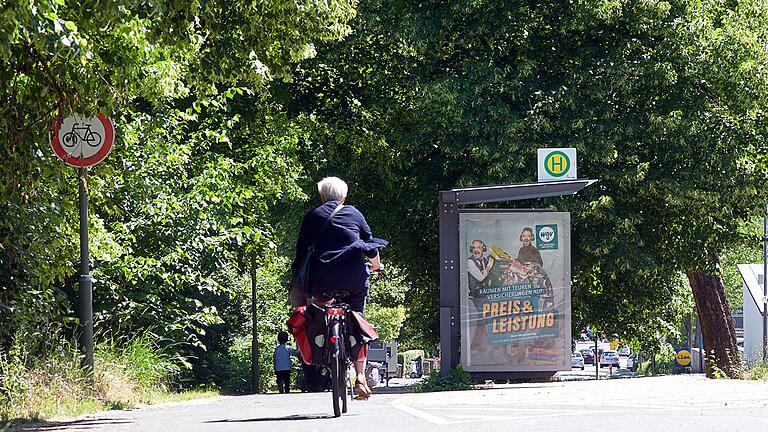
column 577, row 361
column 609, row 358
column 630, row 360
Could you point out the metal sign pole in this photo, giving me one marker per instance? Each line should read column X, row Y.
column 86, row 284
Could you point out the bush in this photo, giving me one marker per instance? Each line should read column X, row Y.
column 129, row 373
column 665, row 362
column 405, row 357
column 231, row 371
column 52, row 385
column 756, row 371
column 457, row 379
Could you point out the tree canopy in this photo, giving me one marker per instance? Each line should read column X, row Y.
column 662, row 100
column 228, row 112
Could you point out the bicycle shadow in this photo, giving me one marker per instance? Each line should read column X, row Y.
column 294, row 417
column 71, row 425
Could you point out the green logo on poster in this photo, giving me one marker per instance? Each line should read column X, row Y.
column 546, row 237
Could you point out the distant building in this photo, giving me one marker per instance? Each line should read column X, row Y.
column 752, row 277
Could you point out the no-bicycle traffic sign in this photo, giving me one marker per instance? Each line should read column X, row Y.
column 82, row 142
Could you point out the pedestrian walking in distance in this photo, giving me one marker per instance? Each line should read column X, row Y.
column 282, row 363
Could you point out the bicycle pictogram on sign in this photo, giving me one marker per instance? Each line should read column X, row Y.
column 82, row 133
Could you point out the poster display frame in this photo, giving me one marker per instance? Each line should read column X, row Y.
column 564, row 288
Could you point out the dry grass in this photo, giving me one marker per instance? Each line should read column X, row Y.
column 125, row 376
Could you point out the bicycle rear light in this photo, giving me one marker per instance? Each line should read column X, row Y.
column 335, row 311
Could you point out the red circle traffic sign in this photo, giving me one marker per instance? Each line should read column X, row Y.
column 82, row 142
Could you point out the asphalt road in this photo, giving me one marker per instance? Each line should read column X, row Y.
column 626, row 405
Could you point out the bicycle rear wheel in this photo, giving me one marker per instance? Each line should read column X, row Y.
column 343, row 374
column 336, row 367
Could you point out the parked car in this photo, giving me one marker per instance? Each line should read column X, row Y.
column 588, row 356
column 577, row 361
column 630, row 360
column 609, row 358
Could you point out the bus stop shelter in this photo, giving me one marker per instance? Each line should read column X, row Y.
column 452, row 202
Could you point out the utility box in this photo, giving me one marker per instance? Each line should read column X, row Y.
column 384, row 353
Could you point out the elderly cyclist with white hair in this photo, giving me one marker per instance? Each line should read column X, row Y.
column 338, row 262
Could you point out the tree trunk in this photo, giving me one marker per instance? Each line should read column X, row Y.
column 255, row 341
column 717, row 327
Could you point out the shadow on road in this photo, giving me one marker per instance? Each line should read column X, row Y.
column 83, row 424
column 269, row 419
column 392, row 390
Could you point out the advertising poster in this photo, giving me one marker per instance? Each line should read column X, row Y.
column 515, row 291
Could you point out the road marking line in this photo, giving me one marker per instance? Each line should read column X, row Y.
column 513, row 409
column 422, row 415
column 459, row 418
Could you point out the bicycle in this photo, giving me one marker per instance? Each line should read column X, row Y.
column 82, row 133
column 335, row 359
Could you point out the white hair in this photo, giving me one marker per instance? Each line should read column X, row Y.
column 332, row 188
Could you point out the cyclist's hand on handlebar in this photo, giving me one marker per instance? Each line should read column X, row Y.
column 377, row 269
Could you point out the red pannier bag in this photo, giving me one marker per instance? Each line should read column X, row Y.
column 360, row 333
column 309, row 329
column 298, row 325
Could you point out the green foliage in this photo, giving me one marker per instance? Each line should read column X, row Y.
column 140, row 359
column 231, row 370
column 227, row 111
column 457, row 379
column 665, row 362
column 387, row 320
column 404, row 358
column 391, row 288
column 749, row 251
column 386, row 297
column 757, row 371
column 274, row 311
column 662, row 100
column 187, row 201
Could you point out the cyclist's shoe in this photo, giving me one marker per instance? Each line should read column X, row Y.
column 362, row 391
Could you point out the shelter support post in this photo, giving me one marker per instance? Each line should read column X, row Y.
column 449, row 286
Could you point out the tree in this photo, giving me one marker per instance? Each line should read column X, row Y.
column 463, row 93
column 202, row 153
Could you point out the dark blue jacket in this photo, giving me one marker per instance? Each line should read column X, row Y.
column 338, row 262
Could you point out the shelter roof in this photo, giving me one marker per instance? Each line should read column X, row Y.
column 514, row 192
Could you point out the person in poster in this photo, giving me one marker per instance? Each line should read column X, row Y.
column 528, row 253
column 478, row 266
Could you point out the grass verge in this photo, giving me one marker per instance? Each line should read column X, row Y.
column 54, row 386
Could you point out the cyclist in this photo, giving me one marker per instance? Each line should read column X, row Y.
column 338, row 262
